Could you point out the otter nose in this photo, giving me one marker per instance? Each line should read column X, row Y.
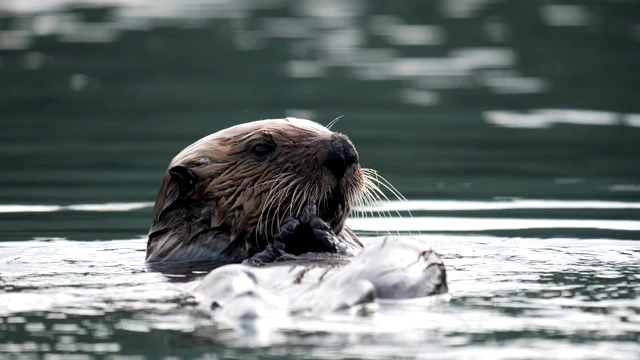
column 341, row 155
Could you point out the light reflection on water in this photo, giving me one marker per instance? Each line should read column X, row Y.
column 325, row 36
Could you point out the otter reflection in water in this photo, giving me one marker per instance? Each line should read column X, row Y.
column 277, row 192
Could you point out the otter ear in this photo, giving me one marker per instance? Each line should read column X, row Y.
column 185, row 178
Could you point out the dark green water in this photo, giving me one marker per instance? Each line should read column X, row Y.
column 466, row 104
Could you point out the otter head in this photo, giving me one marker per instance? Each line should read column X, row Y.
column 225, row 196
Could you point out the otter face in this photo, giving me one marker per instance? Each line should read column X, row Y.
column 226, row 195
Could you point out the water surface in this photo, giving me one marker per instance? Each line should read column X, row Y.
column 512, row 127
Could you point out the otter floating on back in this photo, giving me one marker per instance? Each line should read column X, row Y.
column 266, row 191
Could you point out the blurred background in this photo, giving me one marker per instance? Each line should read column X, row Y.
column 448, row 99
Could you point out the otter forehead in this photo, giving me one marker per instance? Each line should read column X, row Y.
column 291, row 126
column 289, row 123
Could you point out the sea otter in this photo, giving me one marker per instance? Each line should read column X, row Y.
column 284, row 184
column 276, row 193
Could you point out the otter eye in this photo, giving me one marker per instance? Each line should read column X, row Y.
column 262, row 150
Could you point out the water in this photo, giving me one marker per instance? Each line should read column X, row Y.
column 512, row 127
column 510, row 298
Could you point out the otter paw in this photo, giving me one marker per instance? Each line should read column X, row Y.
column 271, row 253
column 323, row 234
column 289, row 230
column 313, row 235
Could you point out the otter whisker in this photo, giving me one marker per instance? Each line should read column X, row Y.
column 296, row 207
column 371, row 203
column 287, row 196
column 366, row 199
column 375, row 195
column 376, row 201
column 333, row 122
column 278, row 198
column 273, row 197
column 268, row 200
column 294, row 200
column 373, row 185
column 374, row 178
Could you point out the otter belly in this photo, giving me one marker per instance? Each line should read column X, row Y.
column 392, row 268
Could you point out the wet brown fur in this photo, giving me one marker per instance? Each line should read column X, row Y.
column 236, row 202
